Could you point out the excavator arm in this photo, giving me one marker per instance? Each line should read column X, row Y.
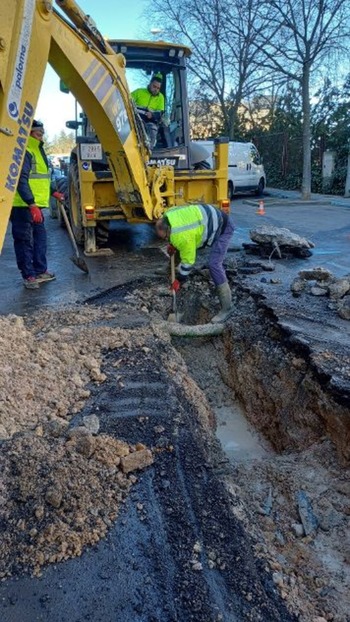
column 32, row 34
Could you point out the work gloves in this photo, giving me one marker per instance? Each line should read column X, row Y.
column 36, row 214
column 175, row 286
column 171, row 250
column 59, row 196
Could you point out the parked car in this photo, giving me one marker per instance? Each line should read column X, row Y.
column 245, row 168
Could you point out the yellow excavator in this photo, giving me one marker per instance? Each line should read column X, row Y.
column 113, row 172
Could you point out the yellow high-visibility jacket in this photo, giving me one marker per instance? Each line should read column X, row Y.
column 143, row 98
column 193, row 227
column 36, row 174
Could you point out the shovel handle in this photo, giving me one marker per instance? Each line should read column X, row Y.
column 172, row 268
column 69, row 228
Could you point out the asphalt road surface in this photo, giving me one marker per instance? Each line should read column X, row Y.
column 324, row 220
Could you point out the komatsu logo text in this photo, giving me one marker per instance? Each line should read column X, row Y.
column 25, row 123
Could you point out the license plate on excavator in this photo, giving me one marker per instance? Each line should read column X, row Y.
column 91, row 151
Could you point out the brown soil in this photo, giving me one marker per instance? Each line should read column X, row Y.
column 62, row 484
column 61, row 487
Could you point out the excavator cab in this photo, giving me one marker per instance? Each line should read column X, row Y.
column 145, row 59
column 90, row 179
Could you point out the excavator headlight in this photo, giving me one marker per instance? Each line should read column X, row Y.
column 89, row 212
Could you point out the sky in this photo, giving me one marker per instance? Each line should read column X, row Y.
column 115, row 20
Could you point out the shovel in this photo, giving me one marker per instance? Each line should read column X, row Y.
column 173, row 315
column 77, row 260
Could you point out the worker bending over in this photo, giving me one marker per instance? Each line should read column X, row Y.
column 190, row 227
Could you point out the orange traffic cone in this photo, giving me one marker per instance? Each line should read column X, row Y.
column 261, row 209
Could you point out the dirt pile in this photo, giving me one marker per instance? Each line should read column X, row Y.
column 61, row 486
column 58, row 495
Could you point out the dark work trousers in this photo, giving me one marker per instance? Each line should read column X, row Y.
column 29, row 242
column 217, row 255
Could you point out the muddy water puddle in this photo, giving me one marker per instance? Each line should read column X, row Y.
column 238, row 438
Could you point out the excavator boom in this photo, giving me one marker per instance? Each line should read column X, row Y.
column 113, row 174
column 33, row 34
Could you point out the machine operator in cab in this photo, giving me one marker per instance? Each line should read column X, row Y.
column 150, row 106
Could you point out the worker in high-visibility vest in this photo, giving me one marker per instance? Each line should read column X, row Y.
column 191, row 227
column 32, row 195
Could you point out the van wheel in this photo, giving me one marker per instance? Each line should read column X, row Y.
column 261, row 187
column 230, row 190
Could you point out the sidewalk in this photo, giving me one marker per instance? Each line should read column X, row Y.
column 295, row 196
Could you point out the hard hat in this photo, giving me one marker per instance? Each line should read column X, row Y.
column 37, row 124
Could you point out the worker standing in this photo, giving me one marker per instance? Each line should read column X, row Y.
column 150, row 106
column 191, row 227
column 32, row 195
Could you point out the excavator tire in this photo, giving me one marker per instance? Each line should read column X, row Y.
column 102, row 233
column 201, row 166
column 73, row 208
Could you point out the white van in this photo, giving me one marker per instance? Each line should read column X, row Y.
column 245, row 169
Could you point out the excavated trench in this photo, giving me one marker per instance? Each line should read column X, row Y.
column 284, row 425
column 245, row 513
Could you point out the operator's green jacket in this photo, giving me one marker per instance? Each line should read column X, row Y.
column 34, row 185
column 192, row 227
column 144, row 99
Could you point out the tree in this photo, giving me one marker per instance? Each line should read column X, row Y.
column 61, row 143
column 301, row 35
column 225, row 59
column 278, row 137
column 330, row 127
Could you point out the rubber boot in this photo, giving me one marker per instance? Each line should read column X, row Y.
column 225, row 298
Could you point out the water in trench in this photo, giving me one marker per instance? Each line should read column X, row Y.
column 238, row 438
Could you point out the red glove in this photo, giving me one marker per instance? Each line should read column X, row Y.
column 36, row 214
column 59, row 196
column 175, row 286
column 171, row 250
